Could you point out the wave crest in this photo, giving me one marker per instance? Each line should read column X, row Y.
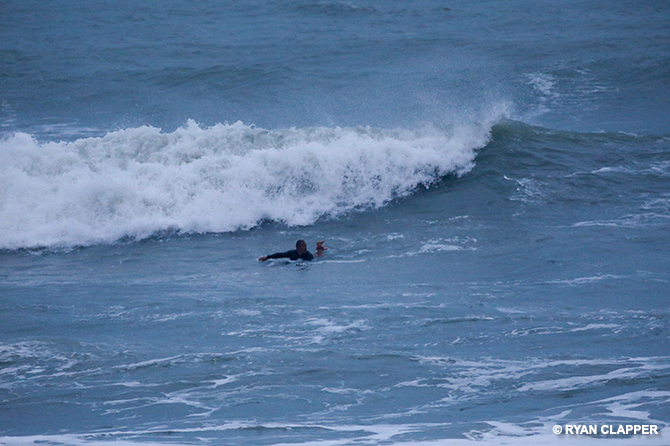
column 135, row 182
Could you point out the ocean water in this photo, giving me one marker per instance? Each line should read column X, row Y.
column 492, row 180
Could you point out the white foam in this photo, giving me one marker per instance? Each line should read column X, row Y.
column 584, row 280
column 628, row 221
column 135, row 182
column 149, row 363
column 660, row 168
column 617, row 169
column 577, row 382
column 468, row 377
column 614, row 327
column 327, row 326
column 433, row 246
column 341, row 261
column 224, row 381
column 529, row 190
column 444, row 245
column 496, row 433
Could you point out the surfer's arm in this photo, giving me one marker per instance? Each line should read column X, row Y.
column 276, row 255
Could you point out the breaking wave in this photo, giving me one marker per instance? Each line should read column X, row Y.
column 139, row 181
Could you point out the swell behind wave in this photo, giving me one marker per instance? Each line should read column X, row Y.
column 139, row 181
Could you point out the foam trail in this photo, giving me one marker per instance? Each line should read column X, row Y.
column 135, row 182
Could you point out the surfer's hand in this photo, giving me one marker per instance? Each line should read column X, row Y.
column 262, row 259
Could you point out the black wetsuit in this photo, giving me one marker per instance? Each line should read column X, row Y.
column 292, row 255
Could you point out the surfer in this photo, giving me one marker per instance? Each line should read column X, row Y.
column 300, row 252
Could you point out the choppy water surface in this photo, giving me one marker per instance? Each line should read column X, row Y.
column 492, row 181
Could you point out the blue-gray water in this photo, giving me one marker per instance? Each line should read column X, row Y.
column 492, row 180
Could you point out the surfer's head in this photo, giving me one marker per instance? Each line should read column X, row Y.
column 301, row 246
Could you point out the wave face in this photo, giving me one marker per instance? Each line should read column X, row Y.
column 135, row 182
